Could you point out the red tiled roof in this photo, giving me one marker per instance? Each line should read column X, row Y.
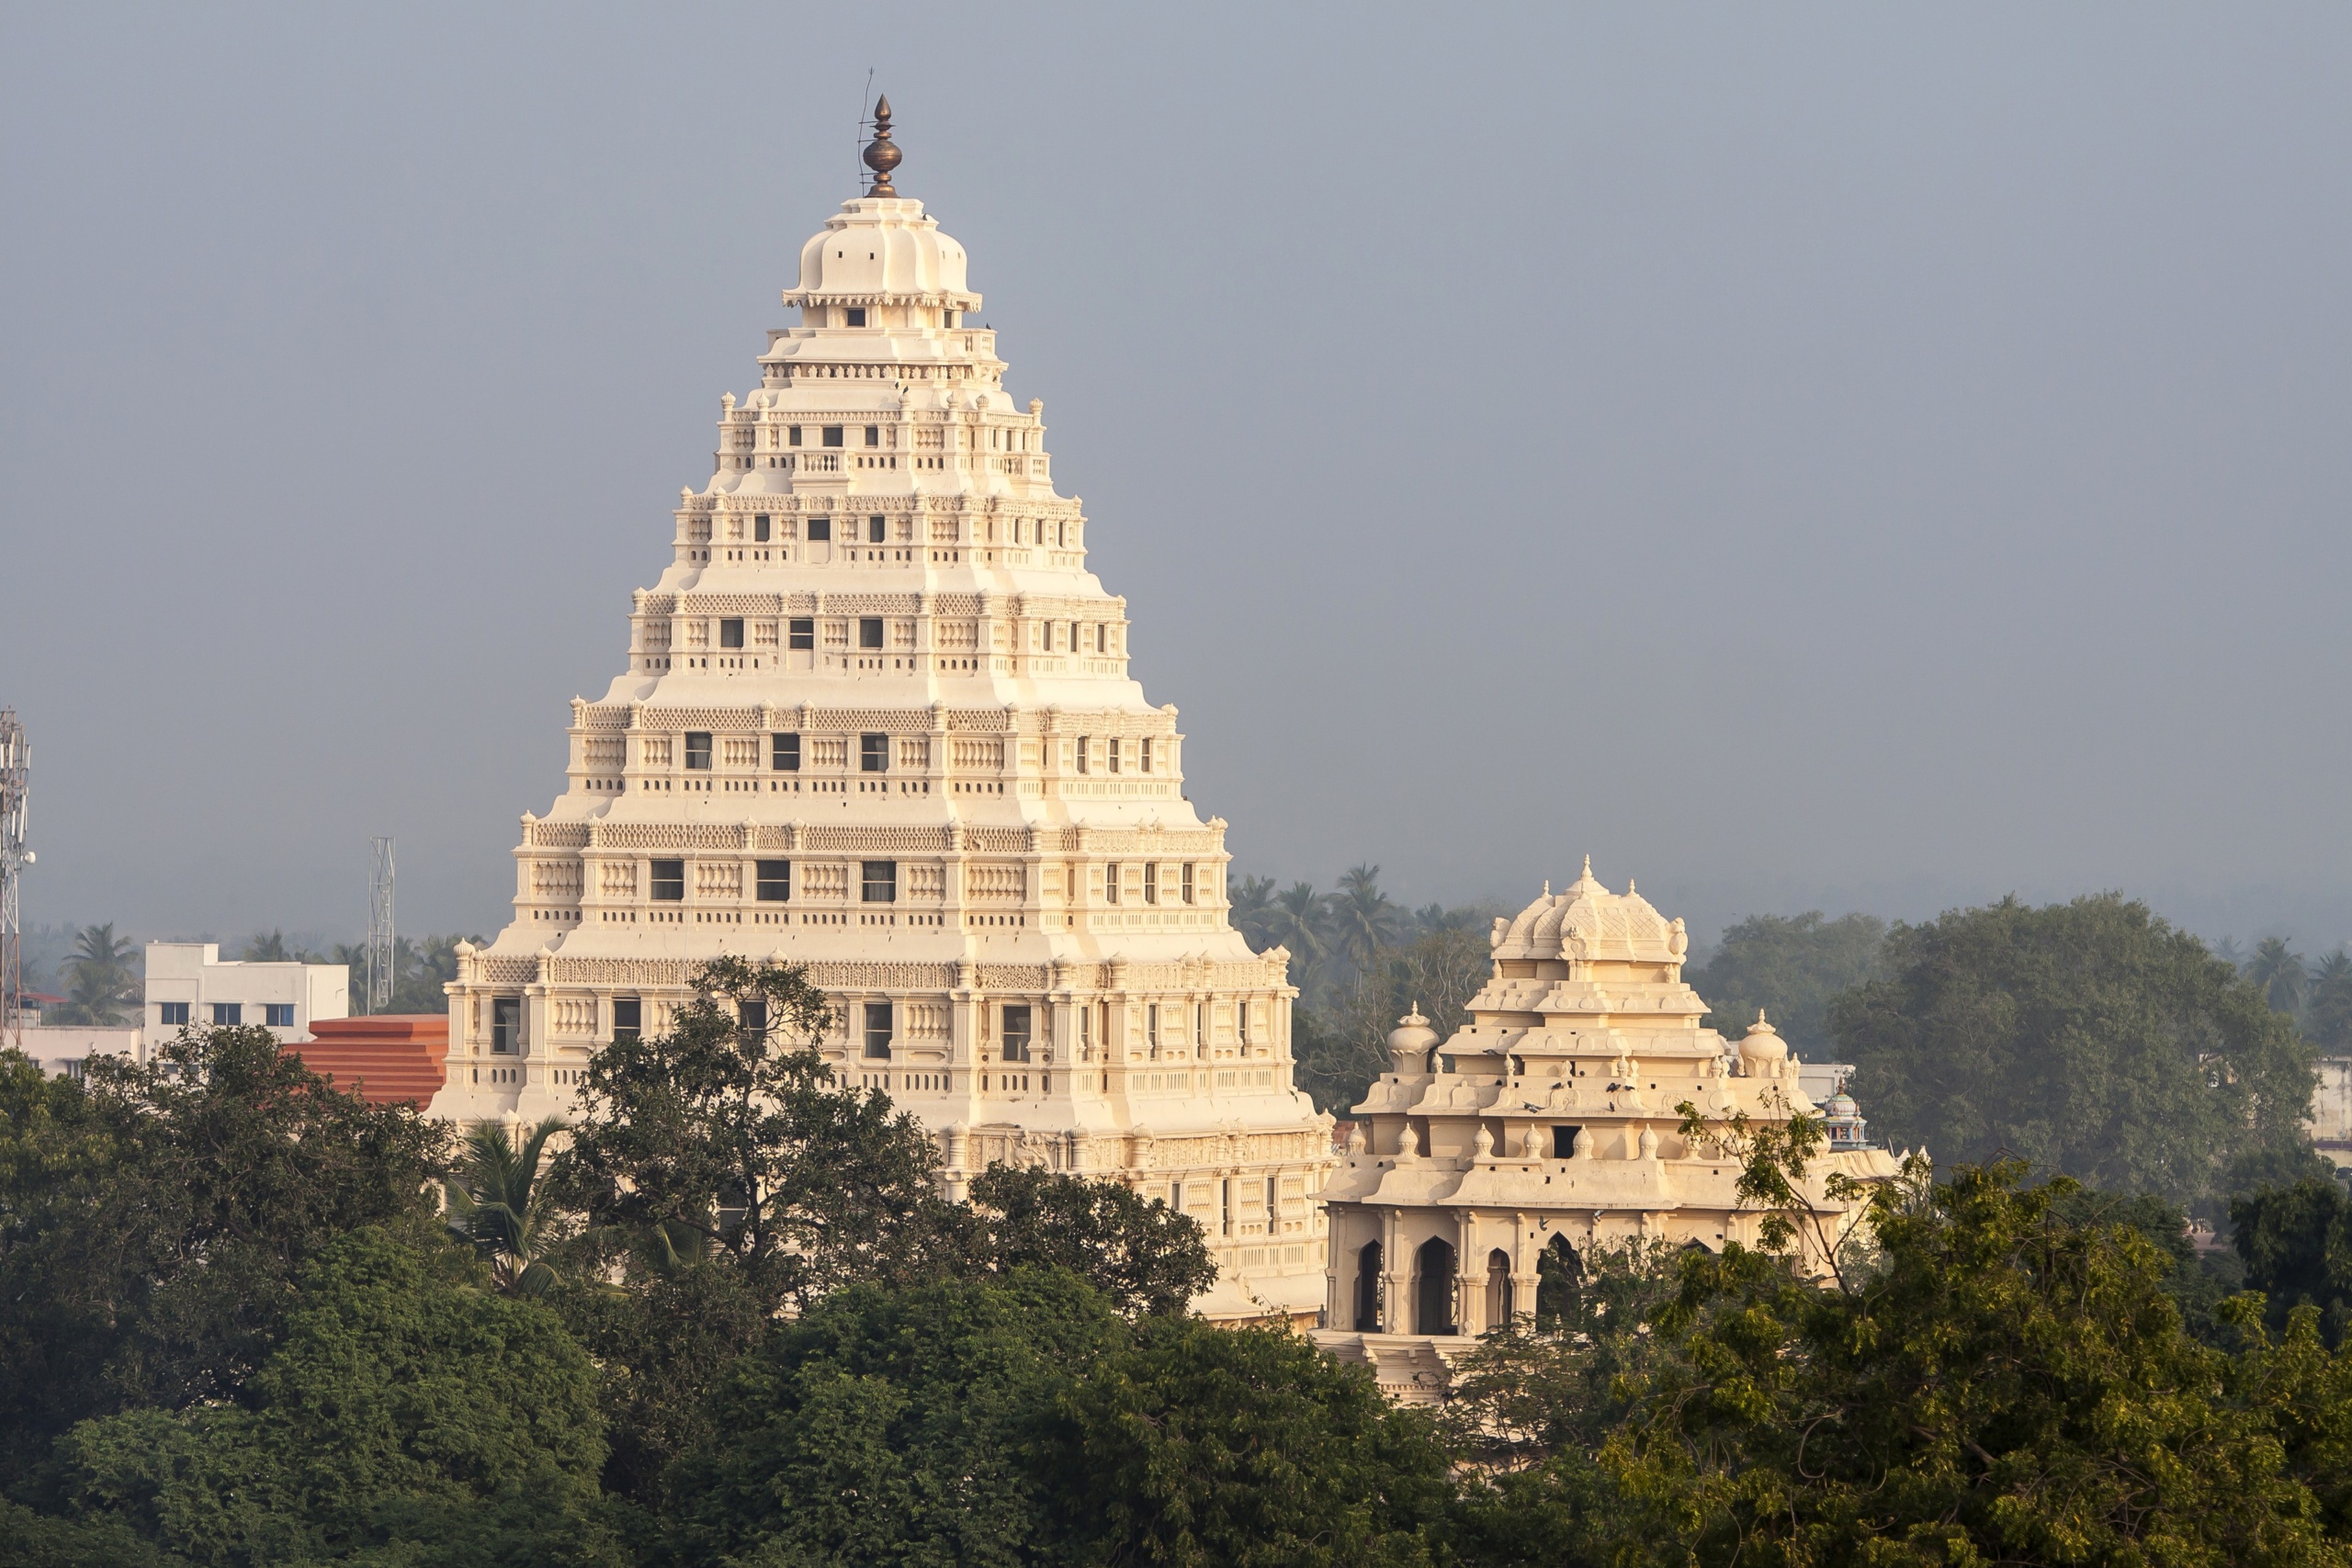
column 390, row 1058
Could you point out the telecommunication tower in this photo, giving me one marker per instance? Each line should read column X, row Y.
column 380, row 926
column 16, row 780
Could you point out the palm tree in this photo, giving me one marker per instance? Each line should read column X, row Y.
column 1252, row 909
column 100, row 984
column 498, row 1202
column 2329, row 1022
column 2276, row 970
column 1362, row 919
column 1296, row 922
column 266, row 948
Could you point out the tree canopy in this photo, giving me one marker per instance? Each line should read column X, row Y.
column 2090, row 1038
column 1789, row 967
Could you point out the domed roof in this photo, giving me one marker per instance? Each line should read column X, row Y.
column 882, row 248
column 1411, row 1043
column 1588, row 922
column 1763, row 1042
column 1841, row 1107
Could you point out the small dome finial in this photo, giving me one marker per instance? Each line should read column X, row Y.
column 882, row 154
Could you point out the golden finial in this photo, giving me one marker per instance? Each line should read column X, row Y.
column 882, row 155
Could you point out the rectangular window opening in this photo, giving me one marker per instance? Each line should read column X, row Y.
column 505, row 1024
column 731, row 632
column 173, row 1013
column 1151, row 882
column 880, row 882
column 1016, row 1032
column 830, row 435
column 873, row 435
column 878, row 529
column 277, row 1015
column 759, row 529
column 751, row 1017
column 1188, row 882
column 1111, row 883
column 874, row 753
column 783, row 752
column 821, row 530
column 628, row 1018
column 801, row 632
column 775, row 881
column 869, row 631
column 698, row 751
column 669, row 880
column 227, row 1013
column 877, row 1031
column 856, row 314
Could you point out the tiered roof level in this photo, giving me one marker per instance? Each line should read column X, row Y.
column 1548, row 1124
column 878, row 719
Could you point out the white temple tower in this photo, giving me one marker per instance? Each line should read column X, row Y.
column 877, row 719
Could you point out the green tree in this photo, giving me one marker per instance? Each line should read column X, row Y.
column 2000, row 1383
column 1360, row 919
column 1252, row 900
column 266, row 947
column 499, row 1202
column 2091, row 1038
column 1142, row 1256
column 2328, row 1017
column 153, row 1220
column 736, row 1133
column 2278, row 972
column 101, row 980
column 892, row 1425
column 1300, row 922
column 404, row 1408
column 1195, row 1445
column 1787, row 965
column 2296, row 1242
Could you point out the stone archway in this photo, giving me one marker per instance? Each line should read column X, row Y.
column 1500, row 1306
column 1368, row 1288
column 1433, row 1288
column 1559, row 1274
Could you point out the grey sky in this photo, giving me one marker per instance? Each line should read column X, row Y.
column 1865, row 457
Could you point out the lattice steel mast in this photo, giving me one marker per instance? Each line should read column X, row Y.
column 15, row 781
column 380, row 927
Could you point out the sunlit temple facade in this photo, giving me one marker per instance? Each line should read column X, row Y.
column 1485, row 1164
column 879, row 718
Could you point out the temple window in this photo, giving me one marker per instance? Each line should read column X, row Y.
column 793, row 436
column 775, row 881
column 879, row 881
column 698, row 751
column 1563, row 1143
column 628, row 1017
column 1016, row 1032
column 802, row 631
column 869, row 631
column 1111, row 883
column 873, row 435
column 830, row 435
column 1151, row 882
column 855, row 315
column 505, row 1024
column 669, row 880
column 784, row 751
column 878, row 529
column 821, row 530
column 1188, row 882
column 877, row 1031
column 759, row 529
column 1084, row 745
column 874, row 751
column 1143, row 763
column 730, row 633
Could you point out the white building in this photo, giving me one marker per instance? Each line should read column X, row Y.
column 62, row 1050
column 878, row 719
column 1483, row 1169
column 189, row 982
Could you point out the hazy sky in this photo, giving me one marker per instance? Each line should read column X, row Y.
column 1865, row 455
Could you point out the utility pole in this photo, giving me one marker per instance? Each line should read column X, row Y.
column 380, row 926
column 16, row 783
